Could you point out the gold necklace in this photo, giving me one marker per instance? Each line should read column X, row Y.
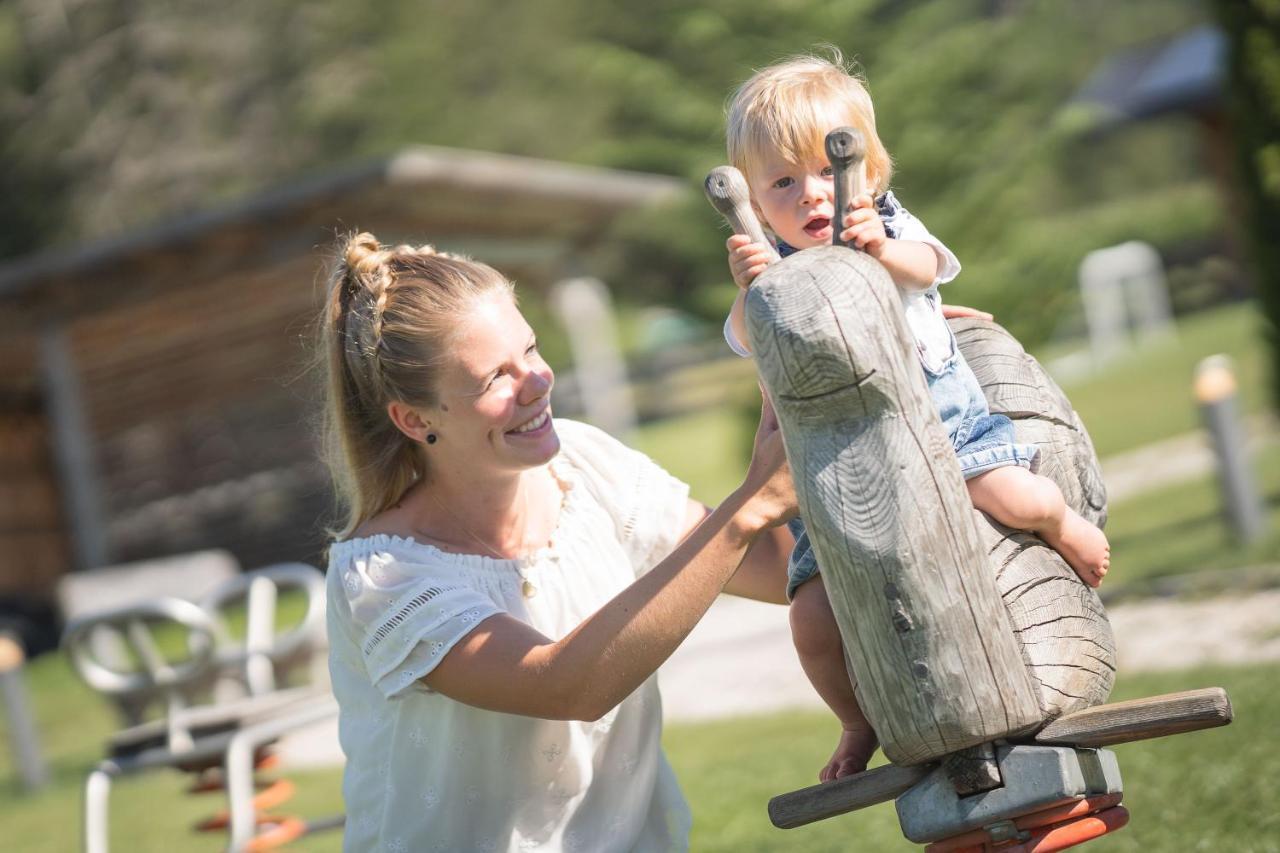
column 527, row 589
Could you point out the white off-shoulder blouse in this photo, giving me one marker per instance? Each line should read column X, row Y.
column 427, row 773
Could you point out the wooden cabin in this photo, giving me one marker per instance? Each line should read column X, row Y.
column 154, row 392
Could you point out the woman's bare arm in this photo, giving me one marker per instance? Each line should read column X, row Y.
column 506, row 665
column 762, row 574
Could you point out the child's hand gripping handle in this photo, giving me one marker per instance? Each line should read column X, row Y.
column 846, row 149
column 727, row 191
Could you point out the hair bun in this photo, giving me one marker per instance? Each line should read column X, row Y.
column 362, row 252
column 406, row 250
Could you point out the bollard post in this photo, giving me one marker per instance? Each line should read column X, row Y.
column 17, row 709
column 585, row 309
column 1215, row 390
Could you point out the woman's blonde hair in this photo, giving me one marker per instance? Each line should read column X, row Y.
column 788, row 108
column 385, row 333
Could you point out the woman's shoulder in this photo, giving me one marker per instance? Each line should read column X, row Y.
column 586, row 445
column 394, row 556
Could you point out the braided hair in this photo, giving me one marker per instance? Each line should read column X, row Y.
column 386, row 332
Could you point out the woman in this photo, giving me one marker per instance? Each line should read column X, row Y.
column 505, row 586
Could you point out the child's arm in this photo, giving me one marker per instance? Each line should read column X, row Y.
column 746, row 261
column 738, row 322
column 912, row 264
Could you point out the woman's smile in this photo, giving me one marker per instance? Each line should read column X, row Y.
column 535, row 426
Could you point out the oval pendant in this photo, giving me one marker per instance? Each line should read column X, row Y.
column 527, row 589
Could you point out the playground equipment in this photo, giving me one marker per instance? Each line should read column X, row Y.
column 975, row 651
column 178, row 653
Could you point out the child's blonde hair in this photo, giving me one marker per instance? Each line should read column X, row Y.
column 789, row 107
column 386, row 332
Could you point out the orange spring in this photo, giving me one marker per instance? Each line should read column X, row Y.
column 282, row 831
column 268, row 798
column 978, row 841
column 1063, row 835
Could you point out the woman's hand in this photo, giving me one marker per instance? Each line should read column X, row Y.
column 771, row 492
column 952, row 312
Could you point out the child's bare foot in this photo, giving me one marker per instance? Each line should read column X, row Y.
column 1083, row 546
column 853, row 751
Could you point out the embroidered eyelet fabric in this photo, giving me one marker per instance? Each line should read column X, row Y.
column 425, row 772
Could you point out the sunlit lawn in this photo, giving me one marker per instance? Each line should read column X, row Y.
column 1183, row 528
column 1208, row 791
column 1145, row 395
column 1213, row 790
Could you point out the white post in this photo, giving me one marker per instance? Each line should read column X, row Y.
column 585, row 310
column 1215, row 389
column 23, row 740
column 1119, row 284
column 1147, row 291
column 73, row 450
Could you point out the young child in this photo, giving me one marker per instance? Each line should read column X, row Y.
column 777, row 123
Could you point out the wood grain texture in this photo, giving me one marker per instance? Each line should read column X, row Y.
column 727, row 191
column 1016, row 385
column 880, row 489
column 1060, row 622
column 1141, row 719
column 829, row 799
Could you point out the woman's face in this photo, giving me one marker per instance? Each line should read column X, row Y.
column 495, row 403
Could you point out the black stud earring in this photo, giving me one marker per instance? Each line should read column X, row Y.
column 431, row 438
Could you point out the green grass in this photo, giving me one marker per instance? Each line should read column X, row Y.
column 1214, row 790
column 708, row 449
column 1146, row 395
column 1181, row 799
column 1182, row 528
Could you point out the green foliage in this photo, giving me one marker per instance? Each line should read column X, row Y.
column 133, row 110
column 1253, row 94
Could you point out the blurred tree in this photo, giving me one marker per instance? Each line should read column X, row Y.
column 118, row 112
column 1253, row 95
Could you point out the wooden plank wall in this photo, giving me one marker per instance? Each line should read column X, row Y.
column 202, row 412
column 33, row 545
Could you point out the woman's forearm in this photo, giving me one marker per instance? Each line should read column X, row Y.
column 613, row 652
column 506, row 665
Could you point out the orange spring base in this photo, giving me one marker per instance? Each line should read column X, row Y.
column 1045, row 831
column 281, row 830
column 268, row 798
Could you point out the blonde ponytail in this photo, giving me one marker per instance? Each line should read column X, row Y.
column 385, row 334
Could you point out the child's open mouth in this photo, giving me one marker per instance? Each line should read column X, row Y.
column 818, row 228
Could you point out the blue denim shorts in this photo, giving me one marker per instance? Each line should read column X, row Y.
column 982, row 441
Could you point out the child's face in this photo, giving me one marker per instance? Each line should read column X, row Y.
column 797, row 200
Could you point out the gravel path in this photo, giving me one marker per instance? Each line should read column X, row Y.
column 739, row 659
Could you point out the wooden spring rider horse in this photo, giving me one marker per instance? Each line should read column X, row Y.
column 976, row 652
